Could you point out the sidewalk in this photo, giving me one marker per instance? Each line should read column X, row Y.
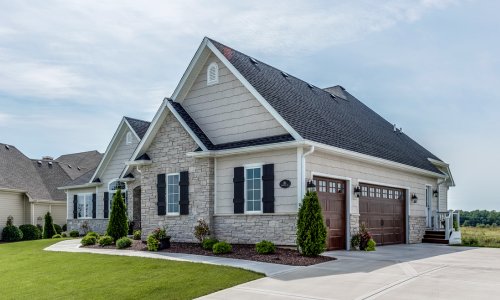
column 265, row 268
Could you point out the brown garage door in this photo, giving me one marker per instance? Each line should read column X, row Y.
column 331, row 194
column 383, row 210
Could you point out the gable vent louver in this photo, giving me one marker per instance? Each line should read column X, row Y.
column 253, row 61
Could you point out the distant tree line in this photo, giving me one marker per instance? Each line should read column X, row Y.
column 479, row 218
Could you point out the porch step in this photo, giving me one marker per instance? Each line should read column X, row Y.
column 434, row 241
column 435, row 232
column 433, row 236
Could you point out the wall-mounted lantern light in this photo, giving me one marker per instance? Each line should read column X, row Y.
column 414, row 198
column 357, row 191
column 435, row 192
column 311, row 187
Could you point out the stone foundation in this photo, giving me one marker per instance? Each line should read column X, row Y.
column 280, row 229
column 96, row 225
column 354, row 225
column 417, row 227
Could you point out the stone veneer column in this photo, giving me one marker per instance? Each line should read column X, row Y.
column 417, row 229
column 354, row 225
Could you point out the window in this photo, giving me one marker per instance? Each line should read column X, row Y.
column 384, row 193
column 341, row 188
column 390, row 194
column 331, row 187
column 253, row 189
column 212, row 74
column 372, row 192
column 364, row 191
column 84, row 208
column 378, row 193
column 112, row 188
column 129, row 138
column 173, row 195
column 322, row 186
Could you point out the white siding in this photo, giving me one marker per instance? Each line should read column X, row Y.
column 443, row 197
column 227, row 111
column 285, row 167
column 11, row 204
column 40, row 211
column 58, row 213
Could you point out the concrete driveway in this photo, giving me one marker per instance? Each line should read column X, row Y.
column 421, row 271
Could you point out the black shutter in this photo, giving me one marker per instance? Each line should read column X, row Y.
column 94, row 205
column 126, row 199
column 160, row 187
column 184, row 193
column 268, row 188
column 106, row 205
column 75, row 207
column 239, row 190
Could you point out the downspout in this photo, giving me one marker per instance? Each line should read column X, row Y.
column 303, row 177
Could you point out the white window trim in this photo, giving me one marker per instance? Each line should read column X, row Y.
column 216, row 74
column 166, row 196
column 254, row 166
column 83, row 194
column 110, row 194
column 129, row 138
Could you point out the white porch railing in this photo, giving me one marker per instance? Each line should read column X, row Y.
column 444, row 221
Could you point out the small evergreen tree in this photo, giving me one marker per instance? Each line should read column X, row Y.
column 48, row 230
column 118, row 222
column 311, row 229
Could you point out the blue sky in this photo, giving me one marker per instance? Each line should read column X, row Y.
column 70, row 70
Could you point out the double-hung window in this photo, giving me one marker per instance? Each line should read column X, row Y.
column 112, row 188
column 253, row 188
column 173, row 194
column 84, row 208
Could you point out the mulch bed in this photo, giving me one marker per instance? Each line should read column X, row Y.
column 286, row 256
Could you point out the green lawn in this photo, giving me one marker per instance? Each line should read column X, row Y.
column 28, row 272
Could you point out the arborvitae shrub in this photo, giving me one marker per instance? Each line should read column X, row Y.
column 265, row 247
column 118, row 222
column 11, row 234
column 48, row 230
column 311, row 229
column 30, row 232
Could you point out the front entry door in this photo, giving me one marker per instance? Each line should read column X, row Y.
column 331, row 194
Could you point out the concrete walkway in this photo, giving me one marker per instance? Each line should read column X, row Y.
column 265, row 268
column 421, row 271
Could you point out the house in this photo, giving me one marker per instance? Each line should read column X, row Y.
column 237, row 144
column 28, row 187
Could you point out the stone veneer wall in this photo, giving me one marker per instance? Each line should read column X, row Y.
column 354, row 225
column 281, row 229
column 96, row 225
column 168, row 152
column 417, row 229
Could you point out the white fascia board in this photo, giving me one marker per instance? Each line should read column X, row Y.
column 13, row 190
column 107, row 155
column 86, row 185
column 138, row 162
column 189, row 69
column 131, row 129
column 254, row 92
column 439, row 163
column 242, row 150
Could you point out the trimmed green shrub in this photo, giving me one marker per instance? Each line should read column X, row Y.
column 355, row 241
column 118, row 222
column 370, row 246
column 88, row 240
column 65, row 227
column 48, row 230
column 201, row 231
column 74, row 233
column 40, row 227
column 106, row 240
column 124, row 242
column 30, row 232
column 265, row 247
column 58, row 228
column 208, row 244
column 222, row 247
column 64, row 234
column 153, row 243
column 137, row 234
column 57, row 236
column 94, row 234
column 11, row 234
column 311, row 229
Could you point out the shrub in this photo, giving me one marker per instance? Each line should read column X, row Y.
column 265, row 247
column 48, row 230
column 153, row 243
column 9, row 222
column 137, row 234
column 57, row 236
column 311, row 229
column 118, row 222
column 124, row 242
column 222, row 247
column 88, row 240
column 74, row 233
column 11, row 234
column 201, row 231
column 64, row 234
column 30, row 232
column 455, row 225
column 470, row 240
column 355, row 241
column 370, row 246
column 40, row 228
column 58, row 228
column 85, row 227
column 65, row 227
column 208, row 244
column 94, row 234
column 494, row 225
column 106, row 240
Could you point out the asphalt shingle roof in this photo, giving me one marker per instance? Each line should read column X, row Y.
column 343, row 121
column 84, row 160
column 139, row 126
column 85, row 178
